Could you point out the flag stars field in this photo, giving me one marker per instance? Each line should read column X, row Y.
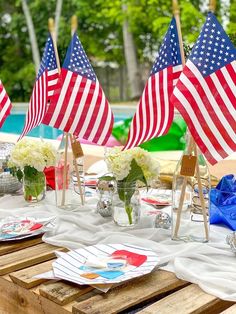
column 205, row 92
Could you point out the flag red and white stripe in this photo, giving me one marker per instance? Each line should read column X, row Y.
column 208, row 106
column 5, row 104
column 155, row 112
column 81, row 108
column 43, row 89
column 42, row 93
column 52, row 82
column 205, row 93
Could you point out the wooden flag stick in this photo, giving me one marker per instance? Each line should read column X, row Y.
column 77, row 172
column 177, row 19
column 192, row 144
column 51, row 26
column 74, row 25
column 182, row 194
column 212, row 6
column 65, row 172
column 200, row 192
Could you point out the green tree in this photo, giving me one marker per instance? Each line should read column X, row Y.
column 100, row 30
column 232, row 19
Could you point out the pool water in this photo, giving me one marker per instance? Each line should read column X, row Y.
column 15, row 122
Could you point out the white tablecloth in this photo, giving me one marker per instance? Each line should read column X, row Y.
column 210, row 265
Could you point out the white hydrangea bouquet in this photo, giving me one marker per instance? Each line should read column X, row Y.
column 128, row 167
column 28, row 159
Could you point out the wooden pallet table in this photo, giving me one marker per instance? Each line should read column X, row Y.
column 158, row 292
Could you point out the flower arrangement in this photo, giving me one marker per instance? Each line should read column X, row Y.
column 28, row 160
column 129, row 167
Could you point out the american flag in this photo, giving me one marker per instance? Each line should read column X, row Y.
column 80, row 107
column 5, row 105
column 155, row 112
column 205, row 92
column 43, row 88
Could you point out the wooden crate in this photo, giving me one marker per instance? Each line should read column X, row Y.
column 158, row 292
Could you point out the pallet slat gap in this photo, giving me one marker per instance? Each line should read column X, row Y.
column 230, row 310
column 188, row 300
column 129, row 294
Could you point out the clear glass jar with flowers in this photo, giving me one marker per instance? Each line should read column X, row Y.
column 28, row 159
column 129, row 168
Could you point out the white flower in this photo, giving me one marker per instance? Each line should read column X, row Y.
column 37, row 154
column 119, row 162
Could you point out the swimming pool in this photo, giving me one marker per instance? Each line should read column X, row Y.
column 15, row 122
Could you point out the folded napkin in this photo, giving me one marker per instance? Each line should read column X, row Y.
column 223, row 202
column 50, row 177
column 167, row 169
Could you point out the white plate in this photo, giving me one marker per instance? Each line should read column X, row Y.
column 67, row 266
column 18, row 228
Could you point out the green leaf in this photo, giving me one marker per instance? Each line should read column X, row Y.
column 107, row 178
column 136, row 173
column 19, row 175
column 30, row 172
column 33, row 184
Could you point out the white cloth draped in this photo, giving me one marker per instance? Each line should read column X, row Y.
column 210, row 265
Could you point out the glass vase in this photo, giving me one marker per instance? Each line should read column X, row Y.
column 34, row 188
column 190, row 197
column 126, row 204
column 69, row 177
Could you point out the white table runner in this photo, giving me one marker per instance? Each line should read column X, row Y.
column 210, row 265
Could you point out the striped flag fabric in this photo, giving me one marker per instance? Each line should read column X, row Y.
column 205, row 94
column 80, row 107
column 5, row 104
column 43, row 88
column 155, row 112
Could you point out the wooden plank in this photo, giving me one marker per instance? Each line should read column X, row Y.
column 63, row 293
column 17, row 300
column 27, row 257
column 191, row 299
column 24, row 277
column 130, row 293
column 230, row 310
column 10, row 247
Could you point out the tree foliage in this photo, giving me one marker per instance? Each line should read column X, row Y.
column 100, row 30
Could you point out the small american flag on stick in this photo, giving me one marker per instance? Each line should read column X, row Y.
column 205, row 92
column 5, row 105
column 43, row 88
column 79, row 105
column 155, row 112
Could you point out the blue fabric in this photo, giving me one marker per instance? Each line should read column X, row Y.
column 223, row 202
